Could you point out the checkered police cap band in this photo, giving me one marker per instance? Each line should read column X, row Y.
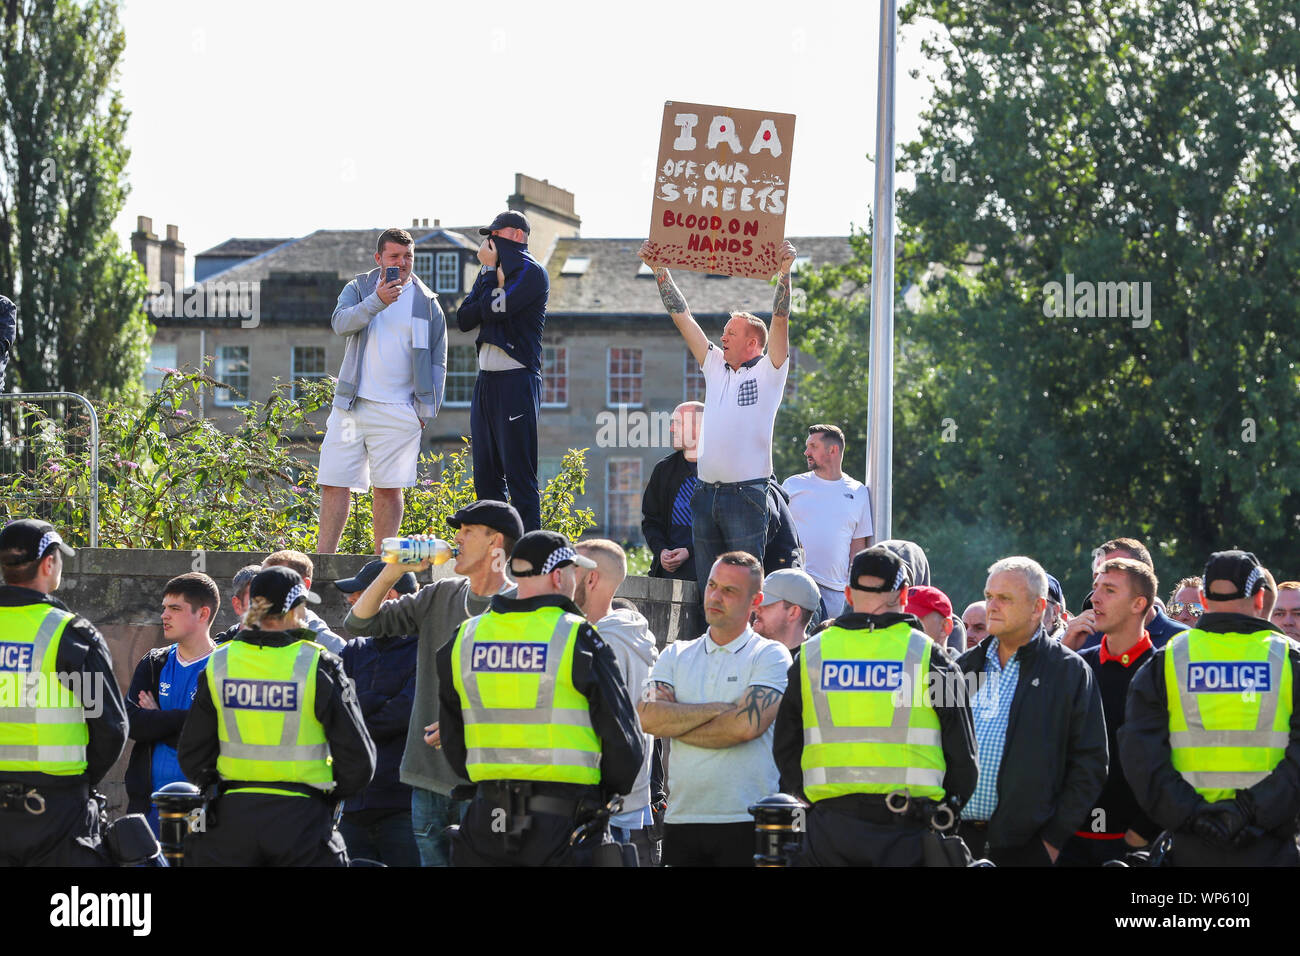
column 47, row 539
column 295, row 592
column 561, row 554
column 1255, row 577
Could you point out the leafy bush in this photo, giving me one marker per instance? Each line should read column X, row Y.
column 169, row 480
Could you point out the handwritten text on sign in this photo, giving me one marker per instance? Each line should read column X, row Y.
column 720, row 189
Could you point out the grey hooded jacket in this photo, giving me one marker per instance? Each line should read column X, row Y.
column 628, row 635
column 358, row 304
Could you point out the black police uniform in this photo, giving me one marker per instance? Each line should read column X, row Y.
column 254, row 829
column 541, row 816
column 67, row 833
column 859, row 829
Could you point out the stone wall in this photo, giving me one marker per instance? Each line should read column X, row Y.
column 120, row 591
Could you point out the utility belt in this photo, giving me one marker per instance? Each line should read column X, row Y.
column 941, row 845
column 19, row 797
column 522, row 799
column 307, row 790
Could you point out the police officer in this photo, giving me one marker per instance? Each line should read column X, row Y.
column 515, row 682
column 875, row 728
column 62, row 718
column 276, row 728
column 1208, row 743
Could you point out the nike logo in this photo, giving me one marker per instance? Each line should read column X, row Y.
column 513, row 417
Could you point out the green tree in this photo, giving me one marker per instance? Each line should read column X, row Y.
column 80, row 294
column 1114, row 142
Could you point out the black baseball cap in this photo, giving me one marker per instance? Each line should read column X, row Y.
column 33, row 539
column 541, row 552
column 1054, row 593
column 1240, row 567
column 496, row 515
column 406, row 584
column 880, row 562
column 283, row 587
column 507, row 220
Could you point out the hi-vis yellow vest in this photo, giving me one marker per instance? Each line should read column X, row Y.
column 859, row 735
column 42, row 724
column 524, row 719
column 265, row 698
column 1229, row 708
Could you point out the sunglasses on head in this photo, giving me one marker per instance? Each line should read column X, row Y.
column 1177, row 607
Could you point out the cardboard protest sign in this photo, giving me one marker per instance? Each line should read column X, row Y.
column 720, row 189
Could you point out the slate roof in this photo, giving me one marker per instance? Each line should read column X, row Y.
column 242, row 247
column 611, row 285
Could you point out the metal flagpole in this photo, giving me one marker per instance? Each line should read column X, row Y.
column 880, row 396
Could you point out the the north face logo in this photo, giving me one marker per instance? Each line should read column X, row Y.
column 748, row 392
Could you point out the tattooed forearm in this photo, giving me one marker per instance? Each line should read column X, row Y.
column 674, row 301
column 782, row 304
column 756, row 701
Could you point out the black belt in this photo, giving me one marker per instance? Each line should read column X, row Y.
column 735, row 484
column 500, row 793
column 305, row 789
column 19, row 797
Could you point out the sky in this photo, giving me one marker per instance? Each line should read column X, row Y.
column 271, row 118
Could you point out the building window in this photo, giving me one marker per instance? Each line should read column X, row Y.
column 555, row 376
column 308, row 365
column 232, row 369
column 160, row 357
column 424, row 268
column 462, row 369
column 623, row 499
column 692, row 378
column 623, row 381
column 548, row 469
column 448, row 277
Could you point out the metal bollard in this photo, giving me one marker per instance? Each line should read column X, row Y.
column 177, row 805
column 778, row 828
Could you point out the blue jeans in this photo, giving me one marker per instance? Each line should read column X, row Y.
column 431, row 814
column 727, row 518
column 384, row 836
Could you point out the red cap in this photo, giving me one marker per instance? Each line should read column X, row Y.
column 923, row 599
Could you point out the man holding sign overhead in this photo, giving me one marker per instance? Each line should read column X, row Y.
column 743, row 389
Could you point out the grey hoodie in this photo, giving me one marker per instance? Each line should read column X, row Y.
column 629, row 637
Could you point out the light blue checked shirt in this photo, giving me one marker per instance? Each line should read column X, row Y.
column 991, row 708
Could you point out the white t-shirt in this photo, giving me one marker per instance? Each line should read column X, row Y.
column 829, row 515
column 719, row 786
column 739, row 412
column 386, row 364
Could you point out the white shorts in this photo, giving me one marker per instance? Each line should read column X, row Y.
column 373, row 438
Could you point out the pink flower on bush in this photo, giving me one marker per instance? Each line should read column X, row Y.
column 182, row 413
column 55, row 467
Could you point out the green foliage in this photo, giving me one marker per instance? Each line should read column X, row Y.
column 1118, row 142
column 639, row 559
column 170, row 481
column 82, row 325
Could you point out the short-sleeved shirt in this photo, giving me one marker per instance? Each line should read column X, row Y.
column 176, row 686
column 829, row 515
column 739, row 412
column 719, row 786
column 386, row 363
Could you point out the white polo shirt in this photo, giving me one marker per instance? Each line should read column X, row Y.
column 739, row 412
column 829, row 515
column 719, row 786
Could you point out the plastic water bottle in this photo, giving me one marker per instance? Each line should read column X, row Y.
column 411, row 551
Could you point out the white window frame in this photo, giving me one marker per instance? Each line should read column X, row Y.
column 446, row 266
column 423, row 268
column 461, row 375
column 609, row 376
column 691, row 370
column 563, row 354
column 634, row 495
column 224, row 398
column 158, row 352
column 295, row 375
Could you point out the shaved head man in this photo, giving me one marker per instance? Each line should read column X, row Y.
column 666, row 504
column 976, row 622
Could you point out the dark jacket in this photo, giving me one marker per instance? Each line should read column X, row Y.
column 783, row 548
column 1054, row 761
column 956, row 729
column 336, row 708
column 512, row 319
column 8, row 329
column 595, row 675
column 1148, row 761
column 82, row 651
column 228, row 634
column 383, row 669
column 148, row 727
column 657, row 525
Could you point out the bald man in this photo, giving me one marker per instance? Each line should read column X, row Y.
column 974, row 620
column 628, row 635
column 666, row 504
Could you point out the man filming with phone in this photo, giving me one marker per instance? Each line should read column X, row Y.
column 392, row 379
column 508, row 306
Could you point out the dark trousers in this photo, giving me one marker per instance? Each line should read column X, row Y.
column 482, row 839
column 1032, row 853
column 1268, row 850
column 385, row 836
column 709, row 844
column 1082, row 851
column 66, row 834
column 837, row 839
column 503, row 428
column 261, row 829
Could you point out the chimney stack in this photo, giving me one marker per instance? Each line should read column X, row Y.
column 172, row 259
column 148, row 250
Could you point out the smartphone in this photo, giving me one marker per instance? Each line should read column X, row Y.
column 391, row 273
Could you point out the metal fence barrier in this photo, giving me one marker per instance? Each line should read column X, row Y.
column 28, row 423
